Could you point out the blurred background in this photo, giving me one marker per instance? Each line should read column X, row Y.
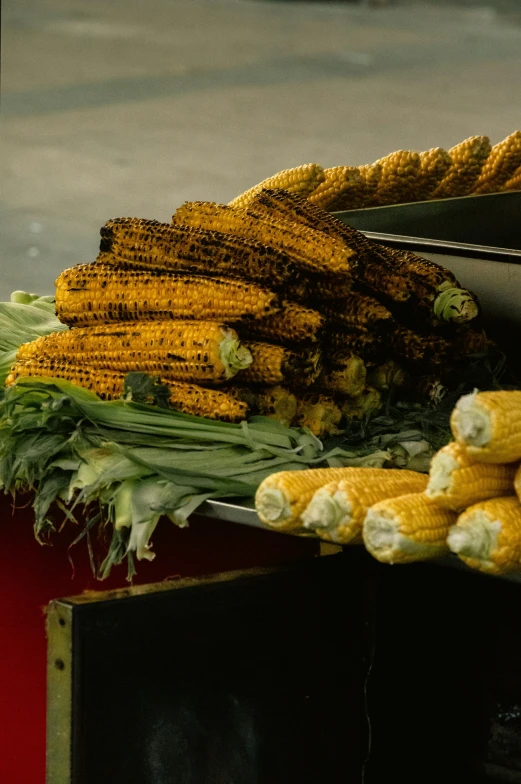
column 130, row 107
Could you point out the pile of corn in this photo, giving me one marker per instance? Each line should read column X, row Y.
column 277, row 308
column 469, row 504
column 473, row 166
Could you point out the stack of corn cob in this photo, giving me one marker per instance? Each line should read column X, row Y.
column 471, row 167
column 329, row 319
column 469, row 504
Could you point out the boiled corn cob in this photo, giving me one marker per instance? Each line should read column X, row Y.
column 301, row 180
column 399, row 178
column 467, row 161
column 345, row 374
column 365, row 404
column 148, row 244
column 487, row 536
column 371, row 175
column 293, row 324
column 278, row 364
column 93, row 294
column 488, row 425
column 177, row 350
column 282, row 497
column 343, row 188
column 319, row 413
column 434, row 164
column 408, row 528
column 514, row 183
column 308, row 247
column 504, row 159
column 337, row 510
column 456, row 481
column 109, row 385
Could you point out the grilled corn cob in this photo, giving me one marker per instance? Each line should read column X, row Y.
column 500, row 165
column 343, row 188
column 337, row 510
column 487, row 536
column 429, row 389
column 319, row 413
column 93, row 294
column 148, row 244
column 467, row 161
column 387, row 376
column 301, row 180
column 108, row 384
column 456, row 481
column 417, row 348
column 358, row 311
column 434, row 164
column 399, row 178
column 278, row 403
column 345, row 374
column 408, row 528
column 177, row 350
column 282, row 497
column 293, row 324
column 488, row 425
column 308, row 247
column 514, row 183
column 368, row 402
column 277, row 364
column 371, row 347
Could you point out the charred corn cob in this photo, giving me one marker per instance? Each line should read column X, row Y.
column 345, row 374
column 93, row 294
column 488, row 426
column 343, row 188
column 514, row 183
column 416, row 348
column 467, row 161
column 148, row 244
column 456, row 481
column 301, row 180
column 337, row 510
column 500, row 165
column 358, row 311
column 293, row 324
column 387, row 376
column 177, row 350
column 278, row 403
column 434, row 164
column 319, row 413
column 308, row 247
column 368, row 402
column 407, row 528
column 488, row 536
column 369, row 346
column 277, row 364
column 108, row 384
column 399, row 178
column 429, row 389
column 282, row 497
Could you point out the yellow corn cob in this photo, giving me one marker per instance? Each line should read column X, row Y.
column 93, row 294
column 177, row 350
column 301, row 180
column 345, row 374
column 456, row 481
column 371, row 175
column 488, row 425
column 387, row 376
column 369, row 401
column 358, row 311
column 293, row 324
column 399, row 177
column 488, row 536
column 408, row 528
column 337, row 510
column 308, row 247
column 467, row 161
column 434, row 164
column 514, row 183
column 342, row 189
column 319, row 413
column 281, row 498
column 108, row 384
column 277, row 364
column 500, row 165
